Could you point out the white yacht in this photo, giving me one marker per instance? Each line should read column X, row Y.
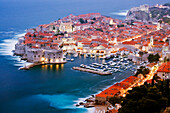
column 75, row 55
column 72, row 59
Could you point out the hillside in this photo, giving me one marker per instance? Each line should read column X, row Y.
column 146, row 13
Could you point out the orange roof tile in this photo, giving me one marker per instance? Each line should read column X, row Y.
column 165, row 67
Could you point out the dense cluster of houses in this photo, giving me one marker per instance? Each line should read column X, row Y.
column 91, row 33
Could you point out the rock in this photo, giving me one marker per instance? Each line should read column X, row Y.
column 81, row 103
column 146, row 13
column 91, row 99
column 89, row 104
column 77, row 105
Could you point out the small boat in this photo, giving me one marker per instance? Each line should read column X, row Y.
column 82, row 65
column 75, row 55
column 72, row 59
column 91, row 65
column 107, row 57
column 104, row 63
column 68, row 59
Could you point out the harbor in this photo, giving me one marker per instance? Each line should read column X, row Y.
column 107, row 67
column 92, row 71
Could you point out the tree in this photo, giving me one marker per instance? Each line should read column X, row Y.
column 120, row 25
column 143, row 100
column 82, row 21
column 58, row 31
column 59, row 34
column 98, row 29
column 94, row 18
column 115, row 99
column 156, row 78
column 166, row 40
column 142, row 70
column 157, row 57
column 92, row 22
column 153, row 58
column 141, row 53
column 34, row 35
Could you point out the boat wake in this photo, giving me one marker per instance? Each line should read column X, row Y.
column 120, row 13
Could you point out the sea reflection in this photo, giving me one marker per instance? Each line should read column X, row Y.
column 52, row 67
column 62, row 66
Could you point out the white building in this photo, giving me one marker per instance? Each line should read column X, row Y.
column 34, row 55
column 20, row 47
column 53, row 56
column 66, row 27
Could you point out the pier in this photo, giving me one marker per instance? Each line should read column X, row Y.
column 92, row 71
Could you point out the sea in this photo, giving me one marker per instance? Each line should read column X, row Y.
column 51, row 88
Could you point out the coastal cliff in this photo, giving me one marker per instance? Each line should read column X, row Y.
column 146, row 13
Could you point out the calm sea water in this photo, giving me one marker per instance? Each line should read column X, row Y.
column 50, row 88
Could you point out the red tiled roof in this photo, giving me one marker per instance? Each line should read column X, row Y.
column 104, row 45
column 165, row 67
column 94, row 45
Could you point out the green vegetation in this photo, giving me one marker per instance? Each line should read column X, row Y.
column 98, row 29
column 115, row 100
column 59, row 34
column 158, row 13
column 166, row 20
column 58, row 31
column 142, row 70
column 34, row 35
column 166, row 40
column 92, row 22
column 153, row 58
column 94, row 18
column 120, row 25
column 82, row 21
column 144, row 99
column 148, row 98
column 141, row 53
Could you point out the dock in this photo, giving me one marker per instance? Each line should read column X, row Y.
column 92, row 71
